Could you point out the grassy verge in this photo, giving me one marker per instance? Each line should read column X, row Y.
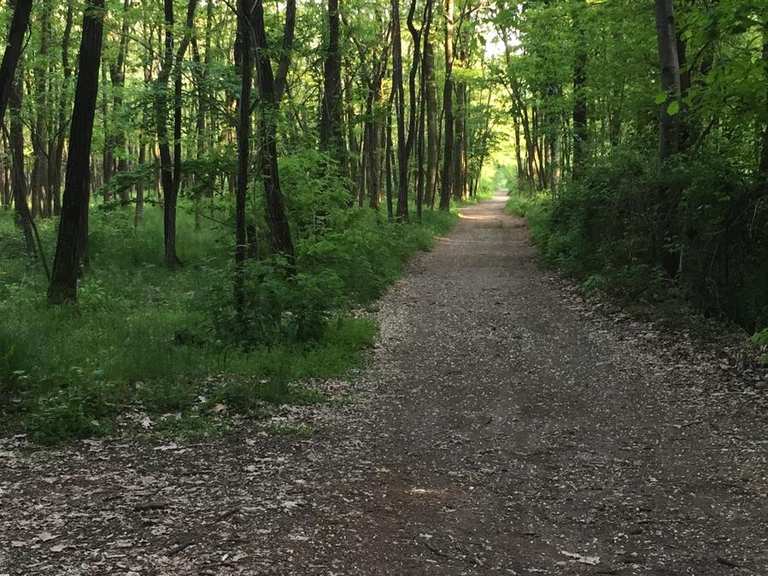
column 150, row 341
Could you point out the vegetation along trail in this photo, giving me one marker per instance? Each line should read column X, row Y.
column 503, row 426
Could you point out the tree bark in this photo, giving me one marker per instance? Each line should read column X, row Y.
column 332, row 112
column 763, row 165
column 161, row 125
column 18, row 180
column 42, row 200
column 116, row 139
column 71, row 244
column 19, row 25
column 57, row 157
column 580, row 110
column 281, row 79
column 280, row 233
column 397, row 86
column 447, row 175
column 243, row 156
column 430, row 100
column 669, row 133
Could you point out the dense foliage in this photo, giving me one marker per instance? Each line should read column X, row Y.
column 654, row 172
column 193, row 188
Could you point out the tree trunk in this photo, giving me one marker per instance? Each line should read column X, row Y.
column 41, row 177
column 332, row 112
column 243, row 156
column 19, row 181
column 116, row 139
column 447, row 175
column 71, row 245
column 430, row 100
column 281, row 80
column 388, row 162
column 57, row 158
column 161, row 125
column 669, row 133
column 15, row 41
column 763, row 166
column 580, row 111
column 397, row 86
column 280, row 233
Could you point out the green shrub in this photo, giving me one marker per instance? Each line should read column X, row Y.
column 696, row 227
column 142, row 335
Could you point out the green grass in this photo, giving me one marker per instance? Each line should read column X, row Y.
column 144, row 338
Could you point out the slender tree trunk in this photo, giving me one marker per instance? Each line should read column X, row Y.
column 580, row 111
column 243, row 156
column 388, row 165
column 763, row 165
column 107, row 159
column 332, row 112
column 280, row 233
column 447, row 175
column 372, row 128
column 138, row 216
column 669, row 131
column 430, row 100
column 397, row 86
column 281, row 79
column 15, row 41
column 18, row 179
column 57, row 158
column 41, row 177
column 116, row 139
column 177, row 95
column 412, row 76
column 71, row 247
column 161, row 125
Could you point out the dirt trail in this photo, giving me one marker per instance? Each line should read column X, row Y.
column 502, row 427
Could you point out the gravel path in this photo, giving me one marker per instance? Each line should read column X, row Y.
column 504, row 426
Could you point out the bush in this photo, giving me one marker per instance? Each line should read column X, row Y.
column 697, row 226
column 144, row 337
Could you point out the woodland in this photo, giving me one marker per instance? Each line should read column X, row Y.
column 200, row 199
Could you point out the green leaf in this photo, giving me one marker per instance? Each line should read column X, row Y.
column 673, row 108
column 661, row 97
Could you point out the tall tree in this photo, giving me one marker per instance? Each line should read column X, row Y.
column 73, row 227
column 280, row 232
column 669, row 133
column 18, row 29
column 18, row 178
column 170, row 165
column 580, row 111
column 56, row 156
column 19, row 24
column 116, row 139
column 399, row 92
column 332, row 112
column 430, row 109
column 763, row 166
column 243, row 152
column 448, row 145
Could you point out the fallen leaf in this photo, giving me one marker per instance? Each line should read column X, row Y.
column 591, row 560
column 45, row 536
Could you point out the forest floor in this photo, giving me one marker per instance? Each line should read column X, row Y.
column 503, row 426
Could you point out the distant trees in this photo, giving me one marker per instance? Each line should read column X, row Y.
column 179, row 126
column 646, row 126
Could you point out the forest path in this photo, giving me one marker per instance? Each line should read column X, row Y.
column 502, row 427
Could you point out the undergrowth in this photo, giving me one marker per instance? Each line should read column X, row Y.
column 690, row 237
column 145, row 338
